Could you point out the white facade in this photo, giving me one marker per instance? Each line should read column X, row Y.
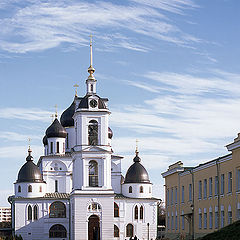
column 82, row 195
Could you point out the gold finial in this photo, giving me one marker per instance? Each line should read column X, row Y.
column 56, row 114
column 76, row 86
column 137, row 141
column 52, row 116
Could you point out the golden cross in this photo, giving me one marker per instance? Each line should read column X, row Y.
column 76, row 86
column 91, row 58
column 56, row 114
column 29, row 143
column 137, row 141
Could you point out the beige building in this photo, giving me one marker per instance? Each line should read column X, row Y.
column 202, row 199
column 5, row 214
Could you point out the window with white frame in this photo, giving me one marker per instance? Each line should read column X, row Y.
column 172, row 196
column 222, row 218
column 172, row 222
column 229, row 182
column 176, row 221
column 200, row 219
column 205, row 219
column 205, row 188
column 216, row 185
column 167, row 197
column 168, row 223
column 238, row 211
column 210, row 218
column 210, row 186
column 222, row 184
column 183, row 221
column 176, row 195
column 229, row 214
column 216, row 219
column 238, row 179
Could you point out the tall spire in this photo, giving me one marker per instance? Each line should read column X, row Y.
column 56, row 113
column 91, row 69
column 29, row 157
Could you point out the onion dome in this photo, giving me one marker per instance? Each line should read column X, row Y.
column 110, row 133
column 67, row 116
column 29, row 172
column 45, row 142
column 84, row 103
column 56, row 130
column 137, row 172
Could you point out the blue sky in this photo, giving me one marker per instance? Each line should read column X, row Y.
column 170, row 69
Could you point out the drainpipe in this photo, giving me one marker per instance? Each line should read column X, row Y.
column 218, row 176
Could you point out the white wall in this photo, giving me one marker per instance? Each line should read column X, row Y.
column 147, row 190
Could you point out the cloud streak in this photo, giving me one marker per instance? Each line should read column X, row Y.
column 36, row 25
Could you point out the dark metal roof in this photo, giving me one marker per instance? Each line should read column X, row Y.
column 45, row 142
column 110, row 133
column 57, row 195
column 84, row 102
column 137, row 172
column 29, row 172
column 56, row 130
column 67, row 116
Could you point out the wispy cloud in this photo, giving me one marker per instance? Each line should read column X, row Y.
column 10, row 136
column 37, row 25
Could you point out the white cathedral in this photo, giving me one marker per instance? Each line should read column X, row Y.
column 77, row 190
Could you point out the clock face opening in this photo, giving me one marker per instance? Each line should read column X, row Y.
column 93, row 103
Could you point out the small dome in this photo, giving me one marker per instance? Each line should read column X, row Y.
column 56, row 130
column 137, row 172
column 67, row 116
column 110, row 133
column 45, row 142
column 29, row 172
column 84, row 102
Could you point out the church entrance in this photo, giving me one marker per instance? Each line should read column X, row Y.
column 93, row 228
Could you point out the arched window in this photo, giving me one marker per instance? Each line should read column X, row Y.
column 57, row 231
column 130, row 189
column 19, row 189
column 35, row 212
column 40, row 188
column 136, row 212
column 116, row 210
column 30, row 188
column 29, row 213
column 129, row 230
column 57, row 210
column 141, row 212
column 116, row 231
column 91, row 87
column 93, row 173
column 93, row 132
column 150, row 190
column 141, row 189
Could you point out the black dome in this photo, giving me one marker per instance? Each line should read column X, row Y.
column 67, row 116
column 29, row 172
column 137, row 172
column 56, row 130
column 45, row 142
column 110, row 133
column 84, row 102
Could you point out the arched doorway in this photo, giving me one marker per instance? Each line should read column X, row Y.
column 93, row 228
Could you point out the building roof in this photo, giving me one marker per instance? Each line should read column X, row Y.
column 56, row 130
column 84, row 102
column 121, row 196
column 29, row 172
column 67, row 116
column 137, row 173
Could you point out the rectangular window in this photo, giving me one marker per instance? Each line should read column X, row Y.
column 183, row 223
column 51, row 147
column 172, row 223
column 238, row 179
column 230, row 182
column 176, row 223
column 167, row 197
column 182, row 194
column 210, row 220
column 67, row 141
column 238, row 214
column 190, row 192
column 205, row 220
column 200, row 221
column 222, row 184
column 168, row 224
column 58, row 150
column 216, row 220
column 176, row 195
column 229, row 217
column 200, row 190
column 222, row 218
column 56, row 185
column 205, row 189
column 210, row 186
column 216, row 185
column 64, row 147
column 172, row 196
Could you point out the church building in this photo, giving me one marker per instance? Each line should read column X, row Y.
column 76, row 190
